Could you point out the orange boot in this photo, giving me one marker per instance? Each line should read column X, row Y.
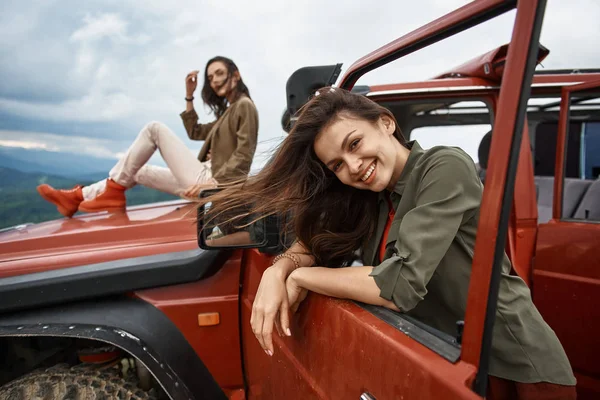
column 67, row 201
column 112, row 199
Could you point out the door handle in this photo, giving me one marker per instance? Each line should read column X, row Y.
column 367, row 396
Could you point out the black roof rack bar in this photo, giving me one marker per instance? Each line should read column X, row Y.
column 450, row 109
column 468, row 108
column 557, row 103
column 568, row 71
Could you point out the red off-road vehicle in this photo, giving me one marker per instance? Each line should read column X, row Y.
column 127, row 305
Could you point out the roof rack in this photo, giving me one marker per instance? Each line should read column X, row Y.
column 568, row 71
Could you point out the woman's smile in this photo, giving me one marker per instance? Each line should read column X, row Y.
column 369, row 176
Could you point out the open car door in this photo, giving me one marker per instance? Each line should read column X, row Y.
column 566, row 275
column 342, row 349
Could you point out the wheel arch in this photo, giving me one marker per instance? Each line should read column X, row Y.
column 132, row 325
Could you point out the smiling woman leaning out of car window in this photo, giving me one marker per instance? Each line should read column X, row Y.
column 353, row 183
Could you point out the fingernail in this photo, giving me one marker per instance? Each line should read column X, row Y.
column 288, row 332
column 269, row 352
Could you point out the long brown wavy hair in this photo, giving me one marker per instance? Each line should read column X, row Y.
column 218, row 105
column 330, row 219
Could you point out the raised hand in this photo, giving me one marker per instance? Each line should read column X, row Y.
column 191, row 83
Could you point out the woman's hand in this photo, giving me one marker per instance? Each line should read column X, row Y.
column 271, row 305
column 194, row 191
column 191, row 83
column 296, row 293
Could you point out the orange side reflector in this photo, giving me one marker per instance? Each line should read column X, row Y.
column 209, row 319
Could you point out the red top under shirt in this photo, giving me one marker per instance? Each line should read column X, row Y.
column 388, row 225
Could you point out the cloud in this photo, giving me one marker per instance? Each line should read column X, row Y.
column 93, row 107
column 98, row 27
column 29, row 145
column 95, row 147
column 106, row 25
column 85, row 69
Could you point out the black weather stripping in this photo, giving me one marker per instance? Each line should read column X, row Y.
column 107, row 278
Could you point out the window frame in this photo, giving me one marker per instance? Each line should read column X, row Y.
column 487, row 101
column 561, row 150
column 441, row 343
column 511, row 111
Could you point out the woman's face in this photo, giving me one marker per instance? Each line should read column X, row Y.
column 361, row 154
column 217, row 74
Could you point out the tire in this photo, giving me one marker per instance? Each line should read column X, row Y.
column 62, row 382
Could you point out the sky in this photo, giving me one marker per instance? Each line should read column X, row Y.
column 85, row 77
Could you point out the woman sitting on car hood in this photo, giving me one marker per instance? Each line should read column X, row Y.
column 229, row 146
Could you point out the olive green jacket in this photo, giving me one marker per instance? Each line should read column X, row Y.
column 428, row 259
column 231, row 139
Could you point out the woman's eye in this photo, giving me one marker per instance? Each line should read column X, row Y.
column 337, row 166
column 354, row 144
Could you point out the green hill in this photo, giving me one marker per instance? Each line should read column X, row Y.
column 21, row 203
column 51, row 162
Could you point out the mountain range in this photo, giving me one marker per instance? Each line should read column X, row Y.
column 55, row 163
column 22, row 170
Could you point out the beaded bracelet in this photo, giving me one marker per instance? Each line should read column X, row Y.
column 292, row 257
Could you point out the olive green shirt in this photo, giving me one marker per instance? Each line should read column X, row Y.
column 427, row 265
column 231, row 139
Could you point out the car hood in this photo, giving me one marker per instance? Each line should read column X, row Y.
column 145, row 225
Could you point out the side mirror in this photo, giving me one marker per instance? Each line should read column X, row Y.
column 226, row 231
column 303, row 83
column 286, row 121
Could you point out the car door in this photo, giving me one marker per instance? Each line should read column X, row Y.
column 566, row 276
column 341, row 349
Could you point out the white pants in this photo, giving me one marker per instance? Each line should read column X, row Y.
column 184, row 169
